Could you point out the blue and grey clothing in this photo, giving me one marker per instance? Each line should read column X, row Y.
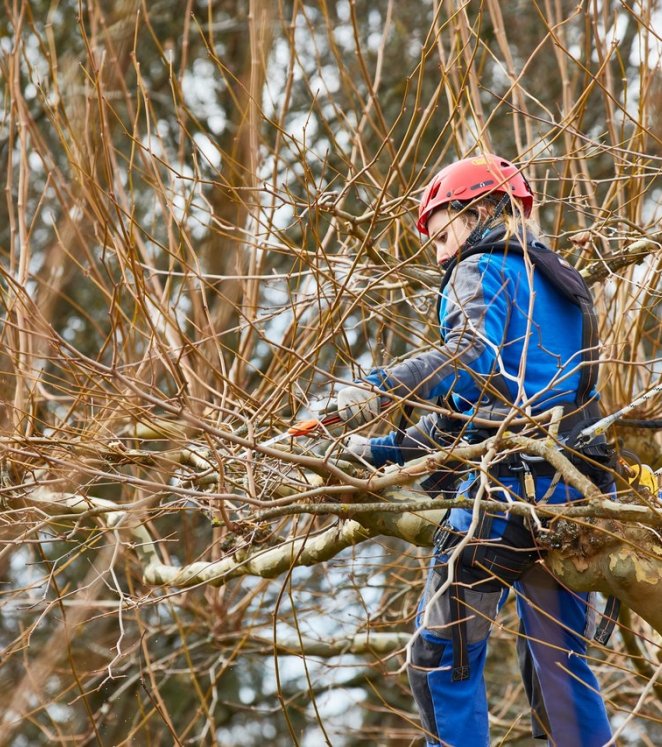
column 510, row 339
column 556, row 625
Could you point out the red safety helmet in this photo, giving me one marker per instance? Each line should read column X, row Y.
column 471, row 178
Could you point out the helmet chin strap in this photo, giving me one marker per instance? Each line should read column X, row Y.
column 482, row 227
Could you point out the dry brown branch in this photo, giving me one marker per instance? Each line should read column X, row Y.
column 208, row 225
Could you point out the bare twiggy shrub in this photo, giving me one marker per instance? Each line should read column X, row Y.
column 208, row 225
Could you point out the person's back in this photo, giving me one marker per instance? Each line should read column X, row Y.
column 535, row 334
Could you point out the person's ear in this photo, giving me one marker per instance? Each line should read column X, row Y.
column 484, row 212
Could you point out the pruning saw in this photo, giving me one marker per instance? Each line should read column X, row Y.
column 305, row 428
column 315, row 426
column 597, row 429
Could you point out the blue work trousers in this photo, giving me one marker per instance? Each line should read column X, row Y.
column 556, row 625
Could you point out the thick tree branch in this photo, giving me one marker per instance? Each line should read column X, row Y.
column 597, row 509
column 629, row 568
column 632, row 254
column 360, row 643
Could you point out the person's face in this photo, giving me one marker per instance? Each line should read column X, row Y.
column 448, row 231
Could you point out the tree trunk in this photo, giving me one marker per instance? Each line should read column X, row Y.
column 624, row 560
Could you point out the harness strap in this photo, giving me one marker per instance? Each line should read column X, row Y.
column 608, row 621
column 514, row 467
column 458, row 611
column 588, row 376
column 405, row 420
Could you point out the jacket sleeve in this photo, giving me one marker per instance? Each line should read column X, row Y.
column 424, row 437
column 474, row 317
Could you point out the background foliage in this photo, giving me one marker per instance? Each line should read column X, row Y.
column 209, row 223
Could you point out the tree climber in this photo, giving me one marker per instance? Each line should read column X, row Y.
column 518, row 338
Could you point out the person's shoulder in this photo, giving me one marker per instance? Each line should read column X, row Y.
column 473, row 270
column 465, row 269
column 499, row 259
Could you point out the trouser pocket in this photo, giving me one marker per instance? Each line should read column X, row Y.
column 492, row 564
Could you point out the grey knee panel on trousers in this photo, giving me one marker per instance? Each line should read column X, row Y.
column 480, row 609
column 540, row 728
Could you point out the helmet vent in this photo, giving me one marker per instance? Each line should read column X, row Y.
column 481, row 185
column 473, row 178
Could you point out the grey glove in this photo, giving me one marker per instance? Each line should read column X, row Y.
column 358, row 404
column 357, row 448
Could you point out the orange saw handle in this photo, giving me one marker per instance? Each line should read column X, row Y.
column 307, row 427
